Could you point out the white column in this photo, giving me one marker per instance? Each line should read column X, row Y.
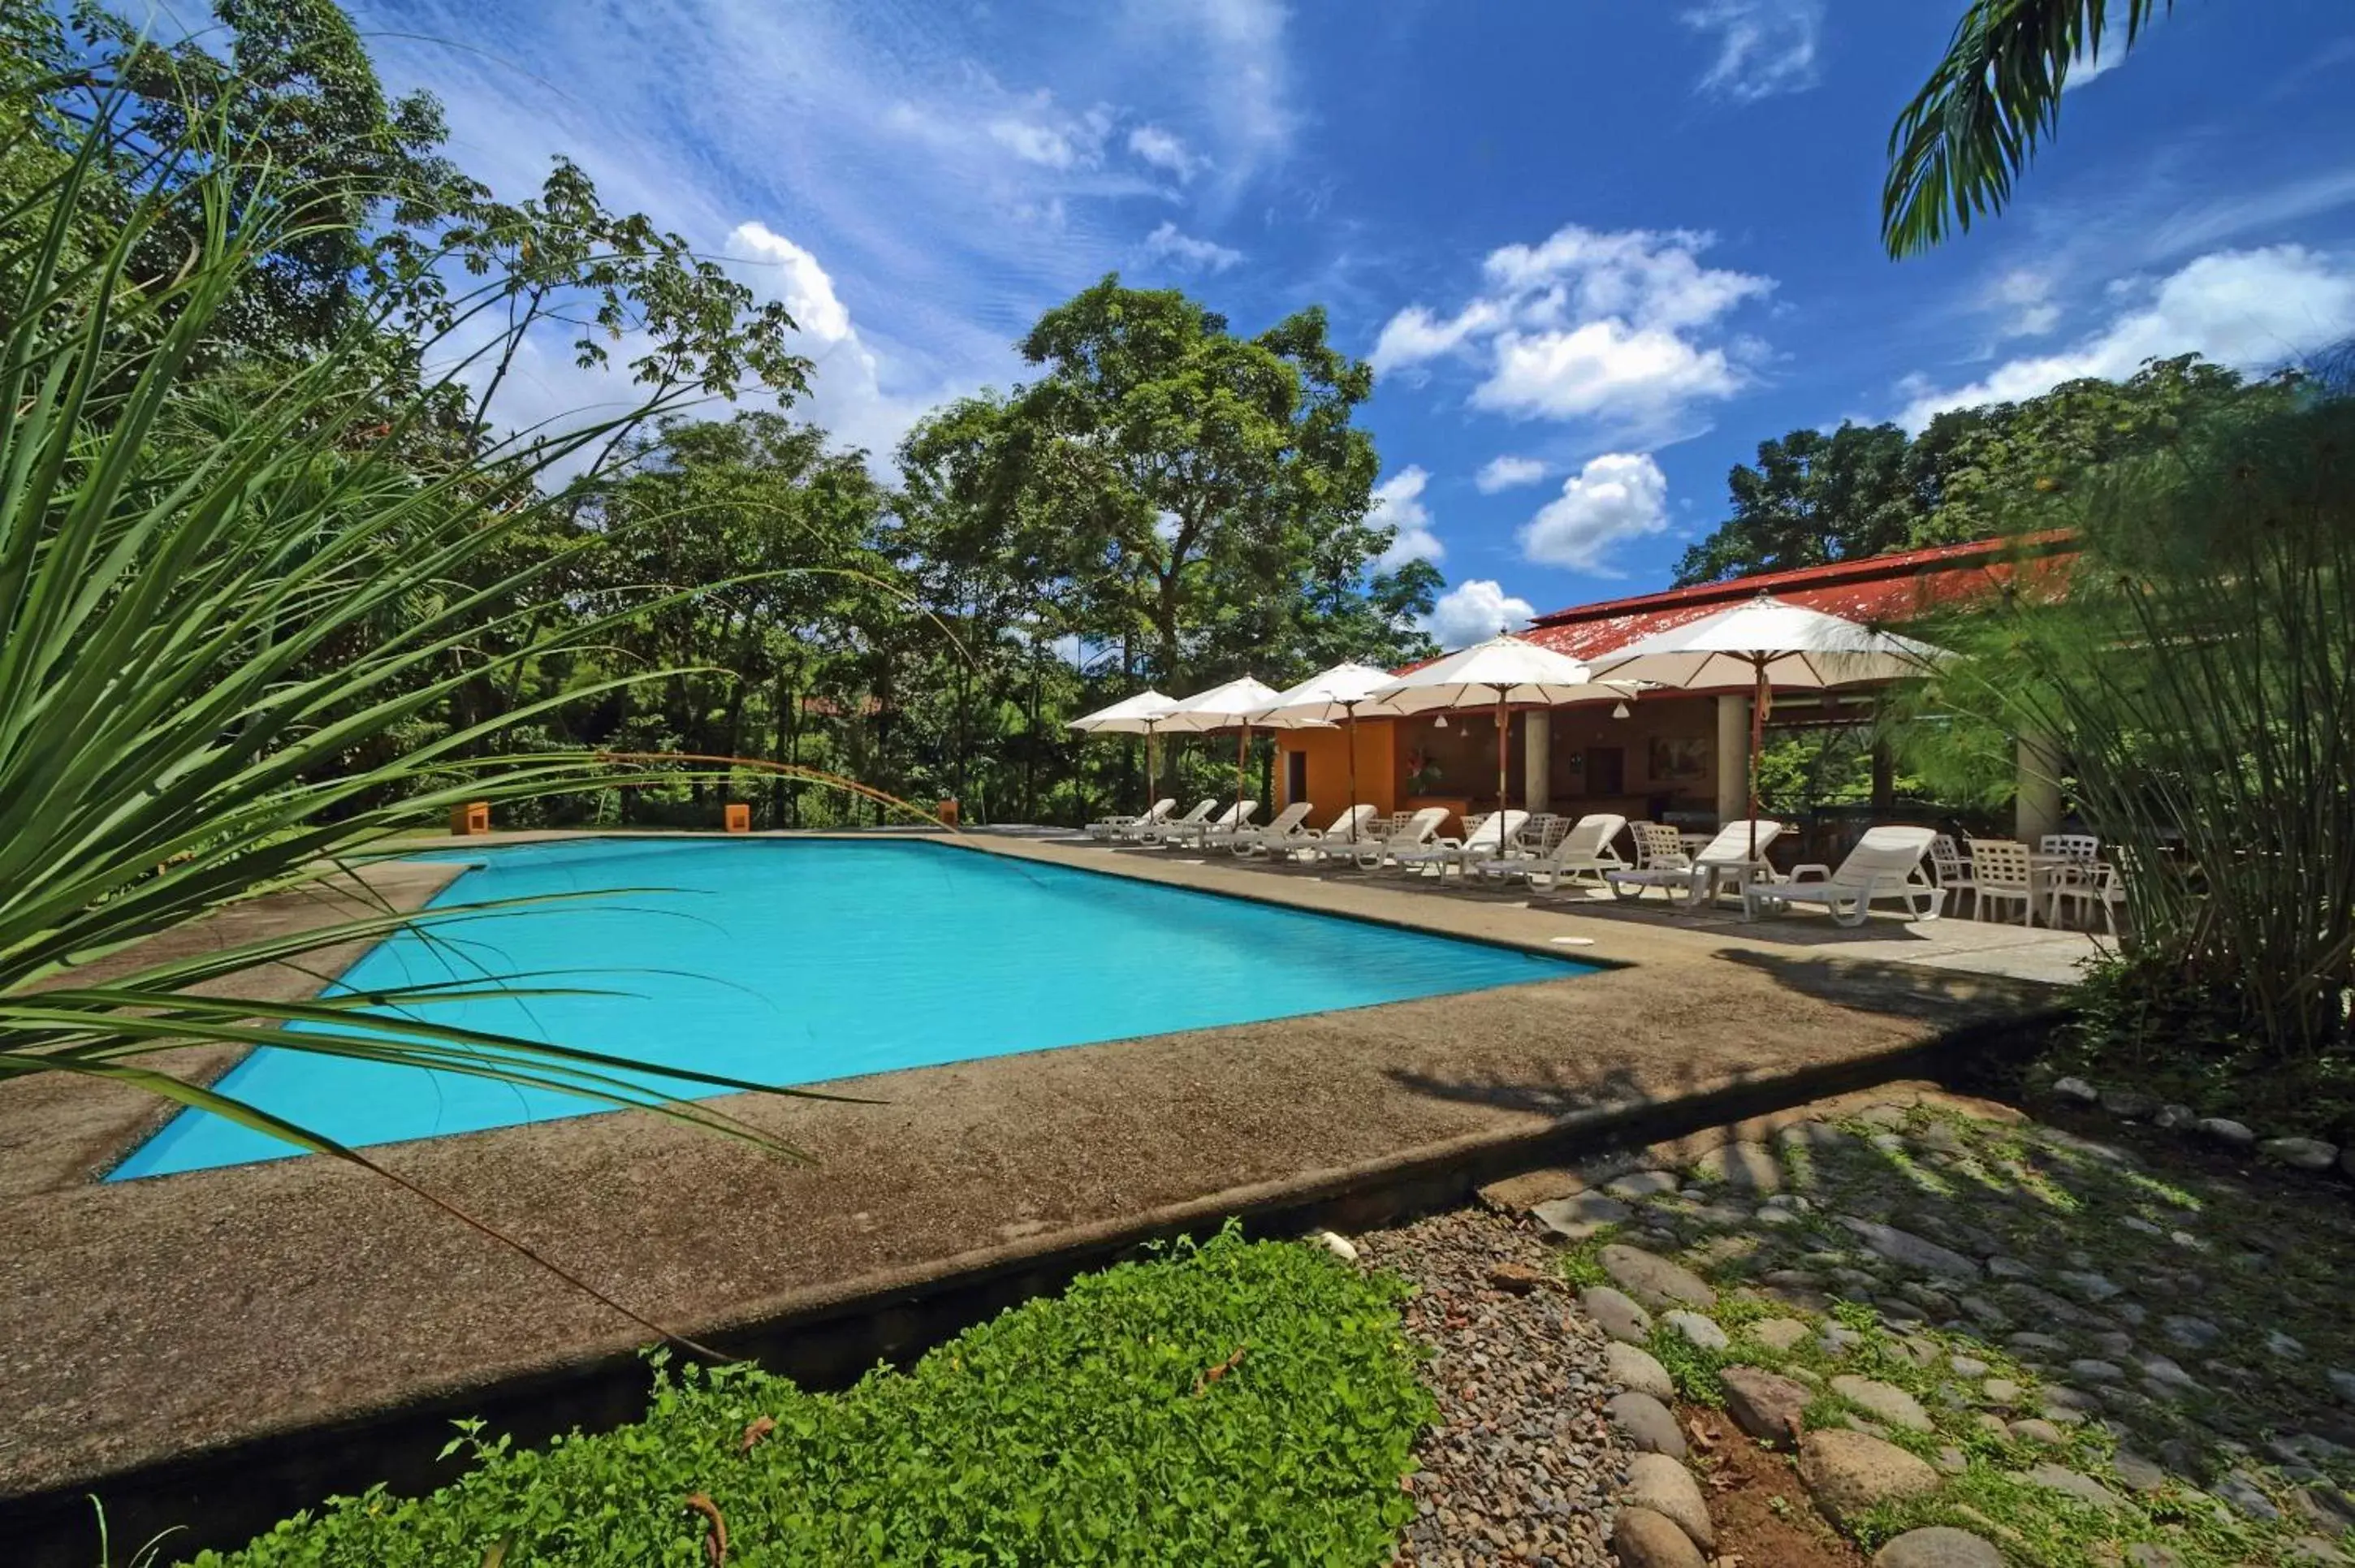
column 2036, row 802
column 1537, row 760
column 1732, row 758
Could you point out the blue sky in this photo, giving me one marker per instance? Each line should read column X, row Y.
column 1597, row 249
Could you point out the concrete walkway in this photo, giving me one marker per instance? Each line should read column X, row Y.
column 157, row 1317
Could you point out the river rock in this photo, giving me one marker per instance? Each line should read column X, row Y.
column 1615, row 1314
column 1849, row 1472
column 2131, row 1103
column 1886, row 1401
column 1643, row 1184
column 1635, row 1369
column 1657, row 1482
column 2077, row 1089
column 1744, row 1166
column 2226, row 1131
column 1940, row 1546
column 1579, row 1216
column 1764, row 1404
column 2300, row 1154
column 2085, row 1488
column 1643, row 1539
column 1652, row 1280
column 1910, row 1251
column 1650, row 1426
column 2192, row 1333
column 1702, row 1333
column 2175, row 1118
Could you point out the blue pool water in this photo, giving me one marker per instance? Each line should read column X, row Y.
column 796, row 961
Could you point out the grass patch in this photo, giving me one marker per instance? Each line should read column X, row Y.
column 1234, row 1401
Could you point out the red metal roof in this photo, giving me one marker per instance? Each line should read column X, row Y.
column 1874, row 590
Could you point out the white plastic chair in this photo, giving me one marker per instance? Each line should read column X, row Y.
column 2002, row 874
column 1420, row 828
column 1698, row 875
column 1953, row 872
column 1886, row 864
column 1585, row 851
column 1492, row 837
column 1246, row 838
column 1154, row 831
column 1197, row 835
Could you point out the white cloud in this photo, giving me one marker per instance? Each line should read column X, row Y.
column 2082, row 69
column 2023, row 303
column 1187, row 250
column 847, row 383
column 2248, row 309
column 1623, row 329
column 1507, row 472
column 1164, row 150
column 1415, row 334
column 1763, row 47
column 1474, row 612
column 1602, row 368
column 869, row 146
column 1042, row 135
column 1398, row 504
column 1616, row 497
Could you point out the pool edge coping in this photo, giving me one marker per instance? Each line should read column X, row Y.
column 842, row 1329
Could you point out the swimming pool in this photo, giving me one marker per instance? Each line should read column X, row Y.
column 794, row 962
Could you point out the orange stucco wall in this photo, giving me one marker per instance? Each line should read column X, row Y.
column 1329, row 767
column 1681, row 775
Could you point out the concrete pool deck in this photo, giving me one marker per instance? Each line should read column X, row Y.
column 179, row 1313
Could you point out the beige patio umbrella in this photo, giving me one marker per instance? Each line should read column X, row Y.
column 1138, row 715
column 1766, row 643
column 1330, row 697
column 1227, row 707
column 1503, row 671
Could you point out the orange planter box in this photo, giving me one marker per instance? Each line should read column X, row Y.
column 948, row 813
column 472, row 817
column 736, row 816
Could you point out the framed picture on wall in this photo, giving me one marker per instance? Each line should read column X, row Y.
column 1679, row 758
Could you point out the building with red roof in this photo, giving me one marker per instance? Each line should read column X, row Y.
column 1679, row 756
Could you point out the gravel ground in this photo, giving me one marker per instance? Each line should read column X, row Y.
column 1521, row 1466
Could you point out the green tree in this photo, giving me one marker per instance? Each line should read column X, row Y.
column 1814, row 497
column 1971, row 474
column 1187, row 463
column 1971, row 131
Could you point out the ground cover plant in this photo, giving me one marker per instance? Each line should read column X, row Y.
column 1234, row 1401
column 2096, row 1353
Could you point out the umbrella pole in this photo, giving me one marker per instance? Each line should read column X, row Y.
column 1757, row 742
column 1504, row 746
column 1242, row 744
column 1351, row 710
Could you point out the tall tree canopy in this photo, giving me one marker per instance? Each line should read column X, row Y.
column 1813, row 498
column 1213, row 484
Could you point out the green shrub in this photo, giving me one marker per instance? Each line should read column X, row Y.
column 1082, row 1429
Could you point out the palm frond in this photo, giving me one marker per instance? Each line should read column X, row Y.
column 226, row 587
column 1992, row 100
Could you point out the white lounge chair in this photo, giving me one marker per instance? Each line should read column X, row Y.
column 1242, row 839
column 1154, row 832
column 1372, row 854
column 1886, row 864
column 1104, row 828
column 1586, row 850
column 1699, row 875
column 1346, row 832
column 1197, row 835
column 1492, row 837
